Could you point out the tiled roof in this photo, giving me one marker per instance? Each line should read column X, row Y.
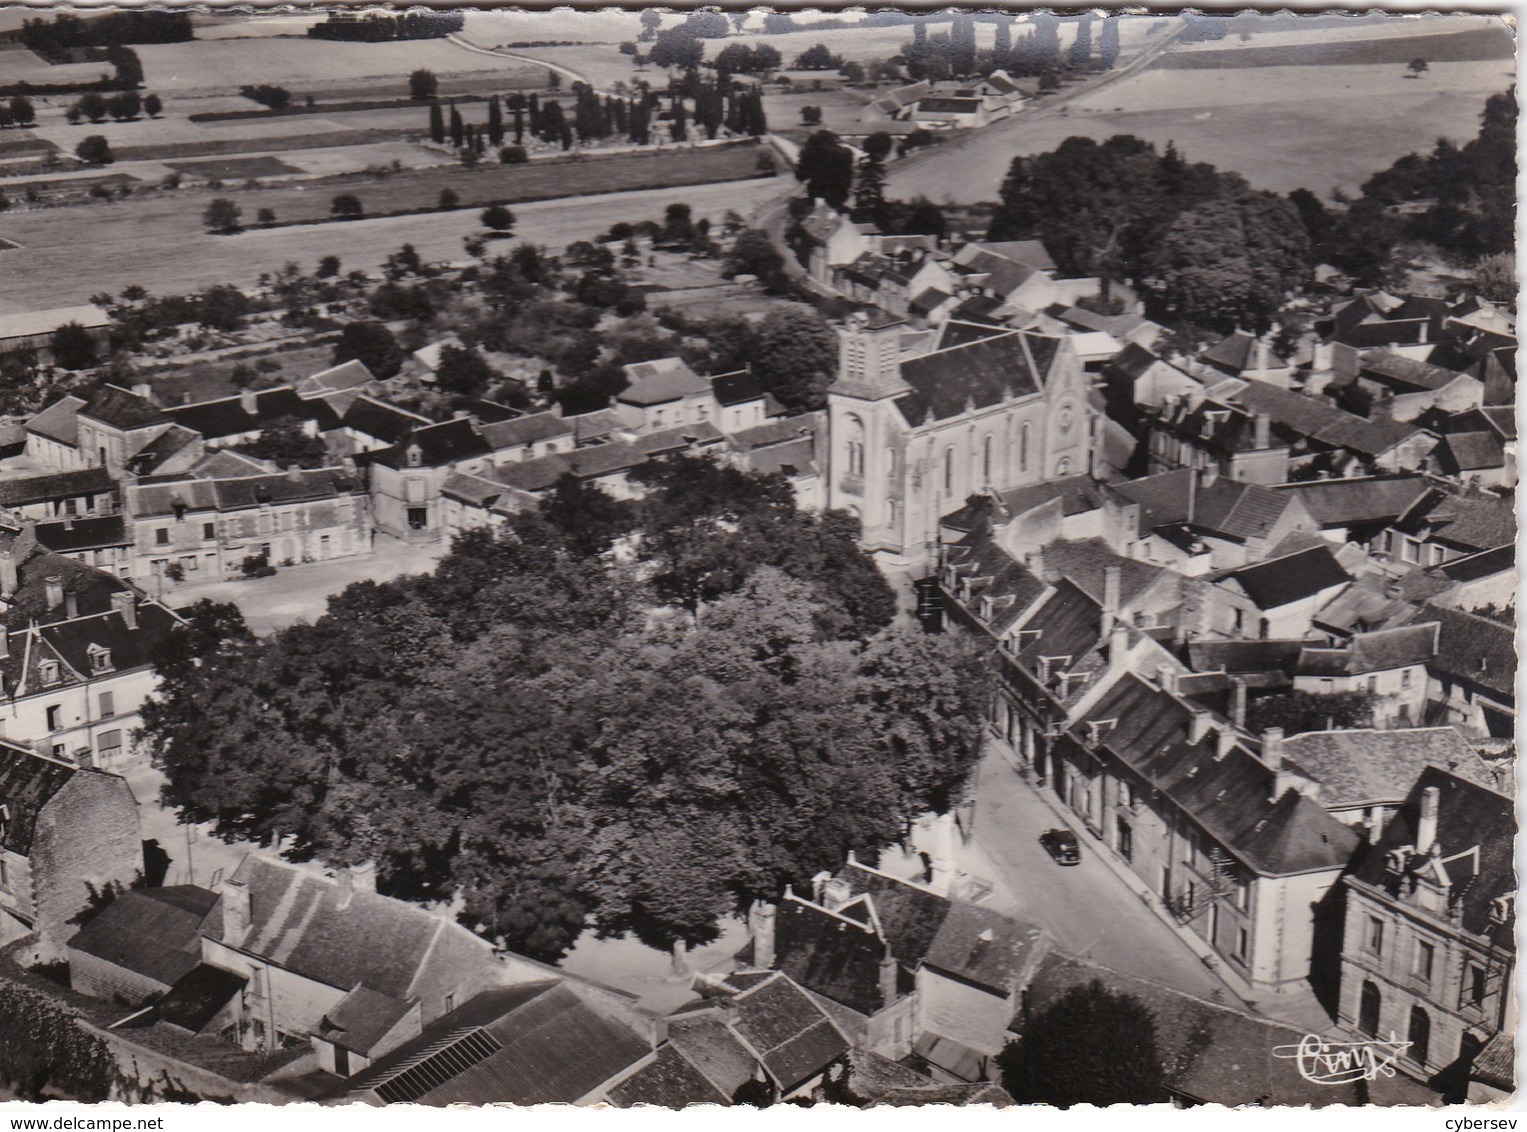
column 347, row 375
column 475, row 490
column 1077, row 494
column 604, row 459
column 957, row 332
column 123, row 409
column 1085, row 562
column 60, row 420
column 661, row 381
column 1502, row 418
column 670, row 1080
column 1475, row 649
column 67, row 536
column 540, row 474
column 300, row 921
column 1279, row 581
column 28, row 782
column 537, row 1043
column 950, row 105
column 198, row 997
column 1232, row 353
column 1485, row 564
column 781, row 431
column 713, row 1049
column 1323, row 421
column 595, row 426
column 1367, row 767
column 1033, row 253
column 525, row 430
column 828, row 957
column 1367, row 500
column 57, row 485
column 1238, row 657
column 679, row 438
column 229, row 416
column 362, row 1019
column 979, row 374
column 1406, row 371
column 1476, row 522
column 154, row 932
column 1495, row 1065
column 1471, row 451
column 298, row 486
column 171, row 442
column 1468, row 816
column 789, row 1032
column 793, row 458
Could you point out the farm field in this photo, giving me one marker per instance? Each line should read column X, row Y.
column 160, row 244
column 1262, row 122
column 1343, row 30
column 227, row 64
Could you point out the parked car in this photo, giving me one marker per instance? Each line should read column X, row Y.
column 1061, row 844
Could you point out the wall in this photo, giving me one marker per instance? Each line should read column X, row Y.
column 961, row 1012
column 87, row 834
column 52, row 453
column 82, row 724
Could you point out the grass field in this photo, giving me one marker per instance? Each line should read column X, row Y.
column 1486, row 42
column 215, row 146
column 158, row 242
column 202, row 381
column 1282, row 128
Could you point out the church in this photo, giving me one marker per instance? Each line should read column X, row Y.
column 911, row 438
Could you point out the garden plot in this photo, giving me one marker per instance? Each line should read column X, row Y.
column 18, row 65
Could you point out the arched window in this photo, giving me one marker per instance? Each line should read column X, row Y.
column 890, row 465
column 890, row 512
column 1368, row 1010
column 949, row 471
column 986, row 450
column 855, row 446
column 1023, row 447
column 1420, row 1035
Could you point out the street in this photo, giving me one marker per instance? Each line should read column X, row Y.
column 1086, row 908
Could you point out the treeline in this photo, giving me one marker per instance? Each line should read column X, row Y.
column 55, row 39
column 377, row 27
column 504, row 730
column 1027, row 49
column 123, row 60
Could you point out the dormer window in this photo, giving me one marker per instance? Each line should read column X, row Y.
column 47, row 671
column 1501, row 908
column 100, row 659
column 414, row 455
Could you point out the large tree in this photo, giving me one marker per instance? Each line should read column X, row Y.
column 796, row 356
column 826, row 167
column 373, row 344
column 1091, row 1045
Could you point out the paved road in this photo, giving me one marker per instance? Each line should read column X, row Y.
column 1086, row 908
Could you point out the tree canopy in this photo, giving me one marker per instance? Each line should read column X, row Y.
column 563, row 736
column 1090, row 1046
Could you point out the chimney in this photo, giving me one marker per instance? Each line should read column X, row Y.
column 836, row 892
column 1272, row 748
column 1238, row 702
column 1224, row 739
column 1426, row 827
column 71, row 604
column 53, row 586
column 888, row 972
column 249, row 402
column 1263, row 357
column 1034, row 561
column 144, row 390
column 1193, row 477
column 1166, row 679
column 1111, row 576
column 294, row 473
column 235, row 911
column 761, row 928
column 819, row 885
column 363, row 877
column 1118, row 647
column 1263, row 425
column 1198, row 726
column 125, row 602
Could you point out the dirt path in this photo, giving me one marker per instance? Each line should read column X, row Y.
column 566, row 72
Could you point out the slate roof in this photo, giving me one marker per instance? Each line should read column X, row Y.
column 1495, row 1065
column 1471, row 452
column 1227, row 508
column 536, row 1043
column 994, row 573
column 1370, row 499
column 1485, row 564
column 439, row 444
column 57, row 485
column 227, row 416
column 661, row 381
column 1368, row 767
column 596, row 426
column 979, row 374
column 1240, row 657
column 171, row 442
column 28, row 783
column 1232, row 353
column 795, row 458
column 153, row 932
column 1475, row 649
column 949, row 105
column 679, row 438
column 296, row 922
column 669, row 1080
column 737, row 388
column 347, row 375
column 779, row 431
column 1077, row 494
column 790, row 1034
column 827, row 956
column 198, row 996
column 1227, row 797
column 1279, row 581
column 97, row 533
column 59, row 421
column 1502, row 418
column 713, row 1049
column 380, row 420
column 957, row 332
column 304, row 485
column 1085, row 562
column 123, row 409
column 1468, row 815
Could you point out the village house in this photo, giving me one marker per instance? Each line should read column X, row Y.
column 1276, row 597
column 407, row 477
column 1428, row 957
column 114, row 424
column 1389, row 665
column 52, row 436
column 912, row 438
column 1412, row 387
column 1472, row 680
column 787, row 446
column 367, row 424
column 1357, row 510
column 105, row 542
column 65, row 831
column 664, row 393
column 911, row 970
column 347, row 377
column 73, row 494
column 523, row 438
column 1442, row 527
column 228, row 422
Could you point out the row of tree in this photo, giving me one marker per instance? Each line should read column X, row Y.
column 536, row 731
column 123, row 106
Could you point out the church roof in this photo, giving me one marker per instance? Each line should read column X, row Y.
column 975, row 375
